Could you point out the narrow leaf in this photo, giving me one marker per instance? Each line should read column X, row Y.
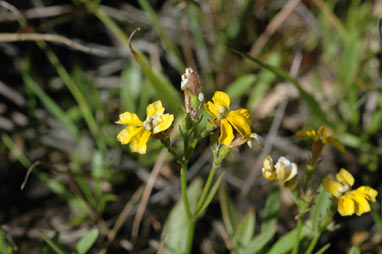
column 312, row 104
column 87, row 241
column 57, row 249
column 175, row 229
column 320, row 209
column 159, row 82
column 244, row 231
column 268, row 227
column 228, row 211
column 48, row 102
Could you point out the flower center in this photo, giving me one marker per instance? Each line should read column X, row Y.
column 150, row 122
column 222, row 112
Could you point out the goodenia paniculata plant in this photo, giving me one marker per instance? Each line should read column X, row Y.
column 229, row 128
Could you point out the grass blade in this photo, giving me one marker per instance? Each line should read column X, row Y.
column 312, row 104
column 158, row 81
column 169, row 45
column 48, row 102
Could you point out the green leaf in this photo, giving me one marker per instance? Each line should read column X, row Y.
column 260, row 240
column 162, row 86
column 57, row 249
column 355, row 250
column 87, row 241
column 268, row 226
column 228, row 211
column 284, row 244
column 175, row 229
column 48, row 102
column 244, row 231
column 320, row 209
column 4, row 248
column 240, row 86
column 312, row 104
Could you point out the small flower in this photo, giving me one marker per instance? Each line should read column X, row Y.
column 238, row 120
column 349, row 201
column 283, row 171
column 320, row 138
column 137, row 133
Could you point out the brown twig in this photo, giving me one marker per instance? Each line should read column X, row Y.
column 28, row 174
column 123, row 216
column 147, row 192
column 39, row 12
column 13, row 37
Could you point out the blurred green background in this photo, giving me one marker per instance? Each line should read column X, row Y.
column 59, row 100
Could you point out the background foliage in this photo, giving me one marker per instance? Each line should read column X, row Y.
column 58, row 106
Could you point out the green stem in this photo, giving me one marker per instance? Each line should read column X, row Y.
column 190, row 236
column 313, row 243
column 297, row 240
column 207, row 186
column 308, row 175
column 183, row 182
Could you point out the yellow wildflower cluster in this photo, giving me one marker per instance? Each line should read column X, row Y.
column 349, row 201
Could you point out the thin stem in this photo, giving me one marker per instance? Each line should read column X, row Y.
column 183, row 181
column 190, row 236
column 297, row 240
column 207, row 186
column 313, row 242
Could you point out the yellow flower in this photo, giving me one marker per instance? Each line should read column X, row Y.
column 137, row 133
column 320, row 139
column 283, row 171
column 349, row 201
column 229, row 120
column 321, row 135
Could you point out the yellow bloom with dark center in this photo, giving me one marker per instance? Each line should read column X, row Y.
column 137, row 133
column 238, row 120
column 283, row 171
column 349, row 201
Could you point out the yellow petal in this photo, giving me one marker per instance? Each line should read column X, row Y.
column 268, row 163
column 226, row 133
column 336, row 143
column 332, row 187
column 269, row 174
column 240, row 120
column 211, row 109
column 128, row 118
column 368, row 192
column 321, row 135
column 221, row 98
column 306, row 133
column 127, row 134
column 345, row 177
column 361, row 204
column 345, row 206
column 154, row 108
column 162, row 122
column 138, row 143
column 285, row 170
